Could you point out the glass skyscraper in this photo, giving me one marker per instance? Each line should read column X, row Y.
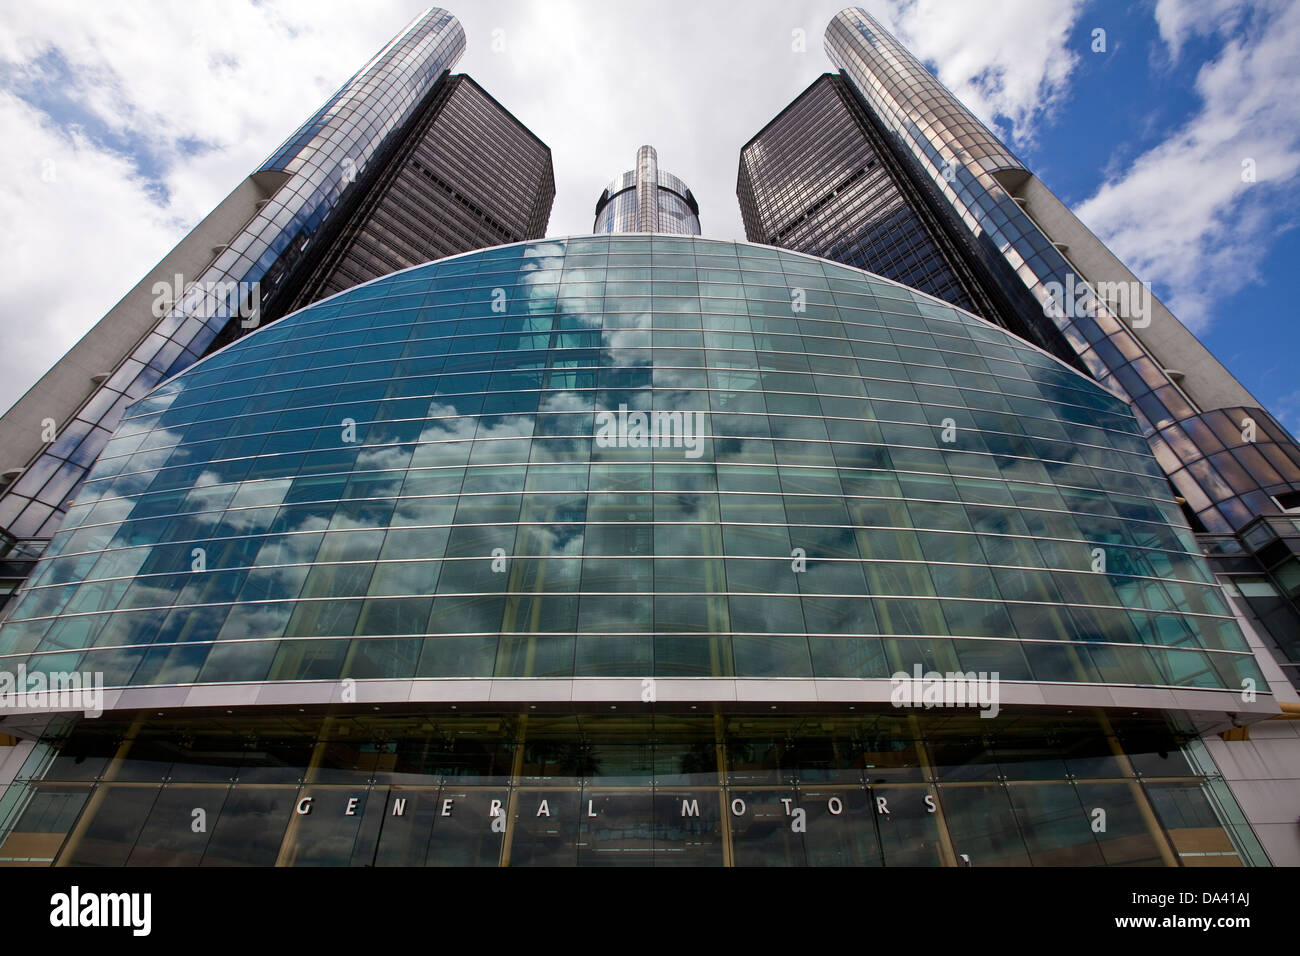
column 883, row 167
column 821, row 178
column 1191, row 408
column 468, row 175
column 403, row 164
column 647, row 199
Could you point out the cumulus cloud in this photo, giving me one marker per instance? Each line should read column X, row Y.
column 1179, row 20
column 1009, row 62
column 1185, row 214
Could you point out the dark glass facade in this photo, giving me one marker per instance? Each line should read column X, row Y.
column 652, row 788
column 468, row 176
column 1261, row 570
column 812, row 181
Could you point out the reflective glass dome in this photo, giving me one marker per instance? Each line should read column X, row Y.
column 625, row 457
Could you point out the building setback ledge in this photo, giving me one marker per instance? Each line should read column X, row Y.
column 1209, row 710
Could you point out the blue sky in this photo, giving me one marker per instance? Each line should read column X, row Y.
column 128, row 120
column 1137, row 96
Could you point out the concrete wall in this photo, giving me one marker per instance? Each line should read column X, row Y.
column 1263, row 769
column 1206, row 381
column 1263, row 773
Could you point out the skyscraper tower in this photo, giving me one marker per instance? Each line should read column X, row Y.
column 467, row 176
column 403, row 164
column 822, row 179
column 647, row 199
column 912, row 170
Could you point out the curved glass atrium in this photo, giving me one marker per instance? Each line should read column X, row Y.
column 604, row 550
column 627, row 457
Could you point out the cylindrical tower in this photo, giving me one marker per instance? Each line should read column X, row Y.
column 1123, row 335
column 647, row 199
column 223, row 277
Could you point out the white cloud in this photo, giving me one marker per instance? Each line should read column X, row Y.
column 80, row 230
column 1181, row 214
column 1007, row 61
column 1178, row 20
column 1287, row 410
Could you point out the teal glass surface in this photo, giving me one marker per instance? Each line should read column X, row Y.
column 410, row 479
